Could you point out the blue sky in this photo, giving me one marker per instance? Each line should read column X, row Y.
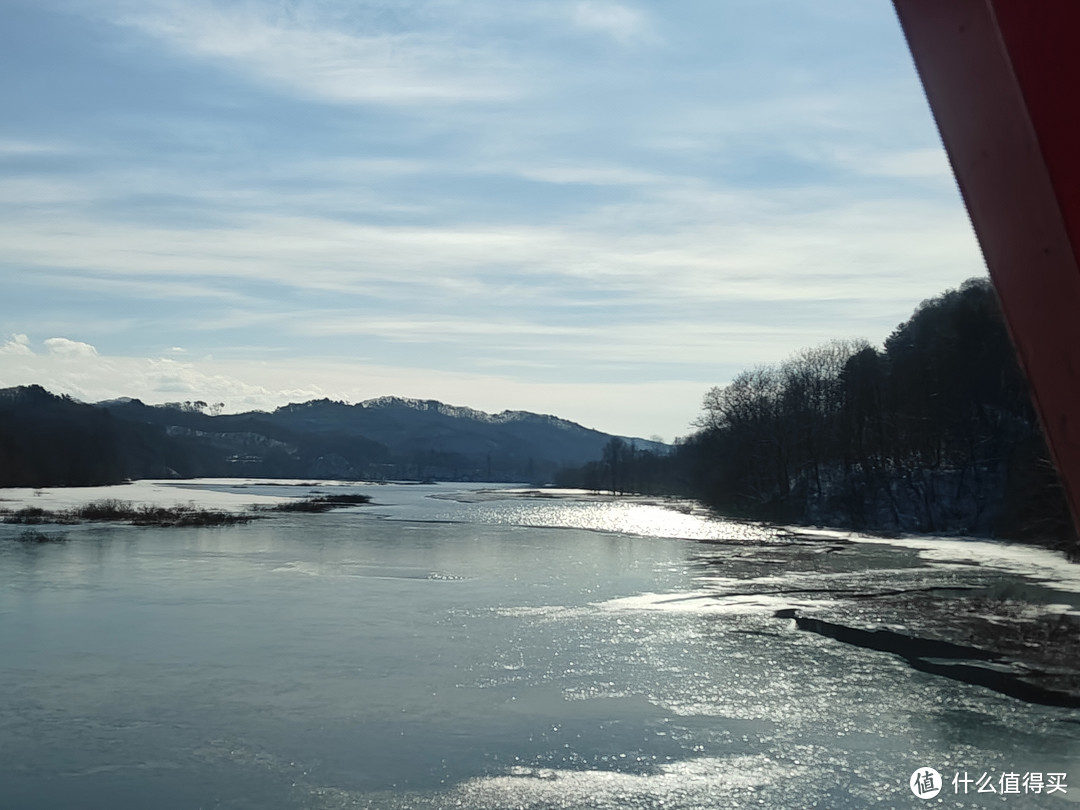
column 588, row 208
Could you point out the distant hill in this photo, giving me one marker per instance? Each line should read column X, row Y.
column 46, row 440
column 51, row 440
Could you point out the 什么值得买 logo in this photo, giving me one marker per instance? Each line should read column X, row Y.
column 925, row 783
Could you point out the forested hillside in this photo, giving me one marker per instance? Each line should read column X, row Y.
column 48, row 440
column 935, row 432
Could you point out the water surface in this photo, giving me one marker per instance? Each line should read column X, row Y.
column 479, row 653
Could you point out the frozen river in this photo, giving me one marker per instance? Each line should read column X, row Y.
column 484, row 650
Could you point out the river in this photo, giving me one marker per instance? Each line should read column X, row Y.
column 443, row 648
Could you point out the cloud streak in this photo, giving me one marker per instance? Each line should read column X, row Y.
column 776, row 252
column 619, row 21
column 310, row 60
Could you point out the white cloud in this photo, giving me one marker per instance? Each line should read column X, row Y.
column 16, row 344
column 63, row 347
column 166, row 377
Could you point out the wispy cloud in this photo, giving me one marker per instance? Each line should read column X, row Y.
column 582, row 174
column 12, row 147
column 617, row 20
column 652, row 341
column 929, row 163
column 302, row 56
column 679, row 244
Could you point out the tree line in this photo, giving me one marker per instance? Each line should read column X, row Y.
column 934, row 432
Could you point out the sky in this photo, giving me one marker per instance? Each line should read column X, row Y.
column 587, row 208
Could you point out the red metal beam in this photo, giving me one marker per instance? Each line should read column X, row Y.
column 1003, row 81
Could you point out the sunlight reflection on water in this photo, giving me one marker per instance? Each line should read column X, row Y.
column 624, row 517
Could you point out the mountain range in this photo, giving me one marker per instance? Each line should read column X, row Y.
column 50, row 440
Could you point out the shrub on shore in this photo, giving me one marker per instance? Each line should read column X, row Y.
column 29, row 515
column 319, row 503
column 113, row 510
column 185, row 516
